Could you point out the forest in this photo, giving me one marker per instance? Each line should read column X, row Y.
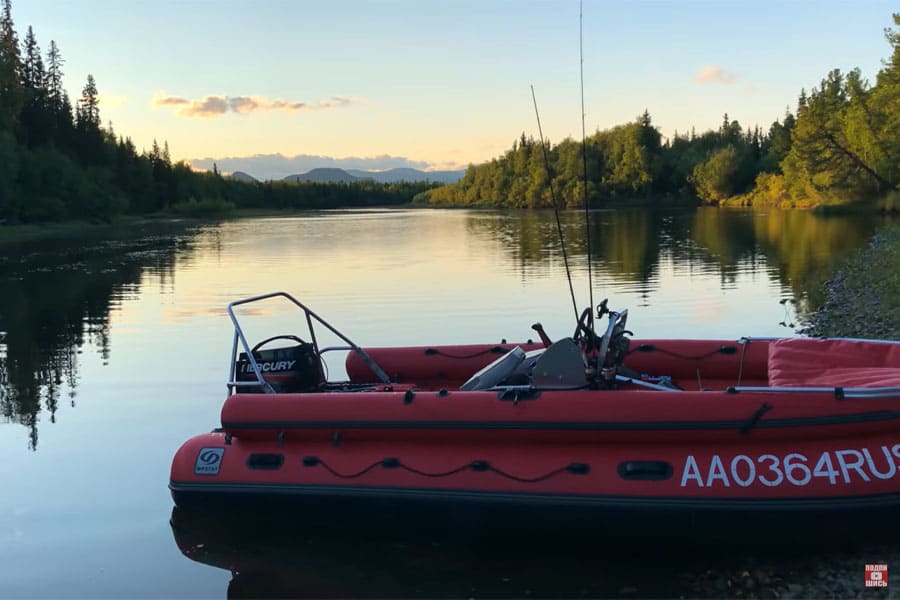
column 59, row 162
column 840, row 146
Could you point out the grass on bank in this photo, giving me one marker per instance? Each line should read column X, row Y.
column 203, row 208
column 771, row 191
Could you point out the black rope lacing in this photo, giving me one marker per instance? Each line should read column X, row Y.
column 494, row 350
column 652, row 348
column 475, row 465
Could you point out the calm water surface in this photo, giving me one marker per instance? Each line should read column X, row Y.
column 114, row 349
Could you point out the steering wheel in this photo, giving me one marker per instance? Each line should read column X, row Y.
column 584, row 332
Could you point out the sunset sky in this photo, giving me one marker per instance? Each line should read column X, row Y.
column 438, row 84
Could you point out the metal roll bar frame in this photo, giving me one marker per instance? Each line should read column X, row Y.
column 240, row 338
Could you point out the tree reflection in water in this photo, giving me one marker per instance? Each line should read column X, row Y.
column 57, row 297
column 57, row 294
column 630, row 246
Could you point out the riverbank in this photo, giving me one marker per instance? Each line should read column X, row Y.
column 832, row 574
column 863, row 297
column 20, row 233
column 69, row 229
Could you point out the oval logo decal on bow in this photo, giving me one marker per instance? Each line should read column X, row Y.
column 209, row 460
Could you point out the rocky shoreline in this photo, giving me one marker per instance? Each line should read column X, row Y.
column 830, row 575
column 863, row 297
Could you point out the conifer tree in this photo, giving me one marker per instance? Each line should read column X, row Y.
column 54, row 75
column 154, row 153
column 36, row 119
column 10, row 69
column 32, row 66
column 89, row 104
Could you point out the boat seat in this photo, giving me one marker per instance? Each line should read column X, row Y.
column 495, row 372
column 812, row 362
column 561, row 367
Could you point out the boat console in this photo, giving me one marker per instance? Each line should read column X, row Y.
column 293, row 369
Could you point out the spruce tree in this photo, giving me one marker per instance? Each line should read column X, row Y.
column 54, row 75
column 89, row 104
column 36, row 119
column 10, row 69
column 32, row 65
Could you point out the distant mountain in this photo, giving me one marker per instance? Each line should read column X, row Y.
column 407, row 174
column 335, row 175
column 241, row 176
column 323, row 175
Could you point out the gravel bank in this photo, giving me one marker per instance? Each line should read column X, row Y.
column 817, row 575
column 863, row 298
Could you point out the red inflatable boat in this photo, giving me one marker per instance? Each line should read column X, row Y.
column 593, row 424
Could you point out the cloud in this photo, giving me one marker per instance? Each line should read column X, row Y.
column 279, row 166
column 447, row 166
column 216, row 106
column 335, row 102
column 160, row 99
column 712, row 74
column 208, row 106
column 109, row 101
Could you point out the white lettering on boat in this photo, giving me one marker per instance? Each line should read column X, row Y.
column 837, row 466
column 691, row 471
column 717, row 472
column 892, row 468
column 271, row 366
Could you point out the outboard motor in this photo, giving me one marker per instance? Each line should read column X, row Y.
column 289, row 369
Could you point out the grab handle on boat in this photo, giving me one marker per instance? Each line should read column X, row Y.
column 293, row 338
column 645, row 470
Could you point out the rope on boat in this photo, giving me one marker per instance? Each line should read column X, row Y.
column 754, row 419
column 652, row 348
column 744, row 345
column 494, row 350
column 475, row 465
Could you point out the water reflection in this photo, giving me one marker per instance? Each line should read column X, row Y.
column 799, row 248
column 57, row 297
column 268, row 558
column 626, row 243
column 282, row 553
column 58, row 294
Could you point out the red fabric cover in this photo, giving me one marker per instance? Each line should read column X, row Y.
column 801, row 362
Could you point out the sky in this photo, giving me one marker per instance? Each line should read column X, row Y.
column 285, row 85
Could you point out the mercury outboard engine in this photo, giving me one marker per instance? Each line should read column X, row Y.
column 289, row 369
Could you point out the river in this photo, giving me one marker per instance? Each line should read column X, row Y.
column 114, row 349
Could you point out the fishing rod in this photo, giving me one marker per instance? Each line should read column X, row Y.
column 587, row 215
column 562, row 241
